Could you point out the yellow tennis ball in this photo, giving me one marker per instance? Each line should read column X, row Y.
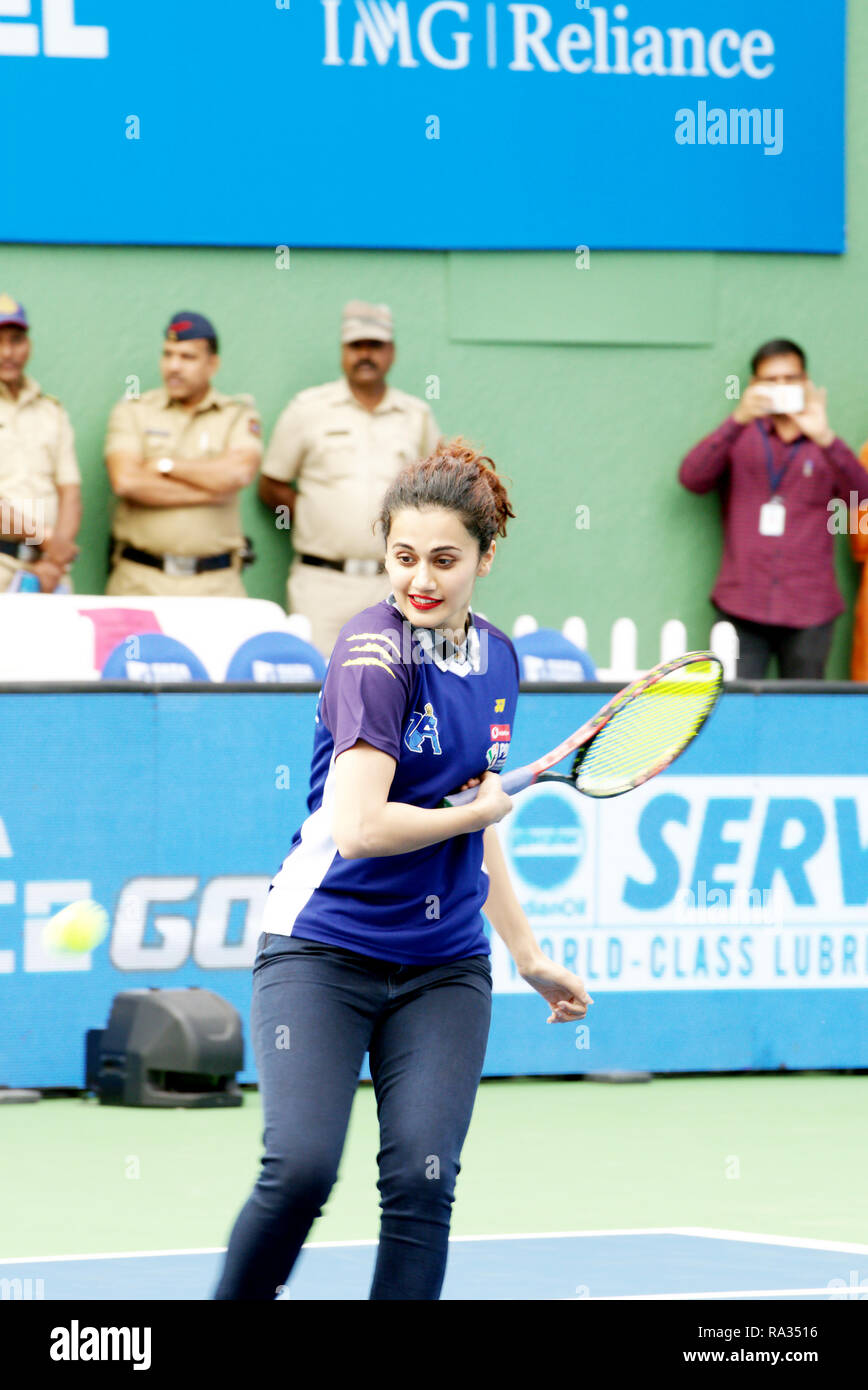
column 77, row 928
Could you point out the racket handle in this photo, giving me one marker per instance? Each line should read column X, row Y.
column 512, row 782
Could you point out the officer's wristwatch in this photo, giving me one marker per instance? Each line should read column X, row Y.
column 165, row 465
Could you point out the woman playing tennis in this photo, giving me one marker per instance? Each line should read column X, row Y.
column 373, row 938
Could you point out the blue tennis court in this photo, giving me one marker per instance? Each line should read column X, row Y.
column 666, row 1264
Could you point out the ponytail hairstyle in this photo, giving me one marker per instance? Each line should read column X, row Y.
column 458, row 479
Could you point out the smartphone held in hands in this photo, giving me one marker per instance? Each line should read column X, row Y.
column 785, row 399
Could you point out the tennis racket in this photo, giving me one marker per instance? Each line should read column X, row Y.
column 641, row 731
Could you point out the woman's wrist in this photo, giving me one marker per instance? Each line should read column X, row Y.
column 469, row 819
column 516, row 933
column 528, row 958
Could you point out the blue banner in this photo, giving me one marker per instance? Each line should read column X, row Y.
column 457, row 124
column 717, row 915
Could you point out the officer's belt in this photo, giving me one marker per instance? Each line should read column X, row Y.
column 19, row 550
column 348, row 566
column 177, row 564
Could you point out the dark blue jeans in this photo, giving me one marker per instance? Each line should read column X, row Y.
column 316, row 1010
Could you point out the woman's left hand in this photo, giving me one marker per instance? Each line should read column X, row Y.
column 559, row 987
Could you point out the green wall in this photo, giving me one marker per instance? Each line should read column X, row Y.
column 585, row 386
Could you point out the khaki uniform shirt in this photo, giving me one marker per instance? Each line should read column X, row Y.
column 155, row 427
column 342, row 458
column 37, row 454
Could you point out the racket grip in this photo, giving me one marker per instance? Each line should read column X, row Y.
column 512, row 782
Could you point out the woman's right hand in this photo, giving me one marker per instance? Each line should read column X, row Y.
column 491, row 801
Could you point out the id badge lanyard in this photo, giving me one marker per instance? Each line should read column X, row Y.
column 773, row 513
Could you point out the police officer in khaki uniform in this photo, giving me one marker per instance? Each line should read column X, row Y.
column 177, row 459
column 341, row 445
column 40, row 485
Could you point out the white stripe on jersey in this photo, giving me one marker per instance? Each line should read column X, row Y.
column 305, row 867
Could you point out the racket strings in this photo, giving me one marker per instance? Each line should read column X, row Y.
column 649, row 731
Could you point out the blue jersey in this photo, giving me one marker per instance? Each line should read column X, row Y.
column 443, row 720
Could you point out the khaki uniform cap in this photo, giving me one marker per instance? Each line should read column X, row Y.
column 363, row 321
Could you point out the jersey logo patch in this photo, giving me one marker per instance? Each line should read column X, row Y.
column 496, row 756
column 423, row 726
column 499, row 706
column 377, row 645
column 500, row 733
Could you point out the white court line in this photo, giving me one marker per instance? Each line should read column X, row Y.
column 706, row 1232
column 801, row 1242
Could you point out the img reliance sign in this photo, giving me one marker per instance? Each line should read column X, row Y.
column 524, row 37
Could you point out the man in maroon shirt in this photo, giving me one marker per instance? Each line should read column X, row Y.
column 776, row 474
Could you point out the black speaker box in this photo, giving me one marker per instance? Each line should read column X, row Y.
column 167, row 1048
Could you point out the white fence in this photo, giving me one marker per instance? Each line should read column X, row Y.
column 52, row 637
column 623, row 643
